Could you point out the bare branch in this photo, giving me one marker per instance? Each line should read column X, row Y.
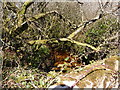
column 83, row 26
column 79, row 2
column 106, row 4
column 11, row 6
column 25, row 6
column 22, row 12
column 44, row 6
column 40, row 15
column 101, row 6
column 24, row 26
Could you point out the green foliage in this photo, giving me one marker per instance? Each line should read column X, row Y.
column 44, row 50
column 101, row 30
column 93, row 35
column 67, row 58
column 39, row 55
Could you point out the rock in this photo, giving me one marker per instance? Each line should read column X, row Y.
column 101, row 74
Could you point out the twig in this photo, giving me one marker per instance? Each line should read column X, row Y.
column 12, row 7
column 32, row 83
column 5, row 44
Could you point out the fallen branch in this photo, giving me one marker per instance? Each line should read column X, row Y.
column 46, row 41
